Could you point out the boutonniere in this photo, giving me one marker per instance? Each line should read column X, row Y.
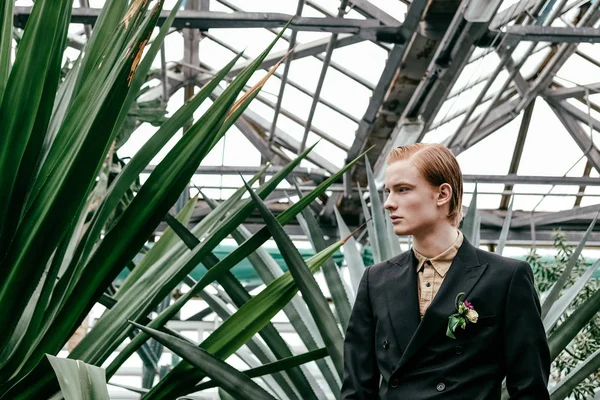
column 466, row 314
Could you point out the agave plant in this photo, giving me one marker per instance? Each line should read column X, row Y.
column 57, row 263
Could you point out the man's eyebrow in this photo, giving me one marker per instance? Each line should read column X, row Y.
column 399, row 184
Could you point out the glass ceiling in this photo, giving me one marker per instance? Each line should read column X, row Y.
column 549, row 149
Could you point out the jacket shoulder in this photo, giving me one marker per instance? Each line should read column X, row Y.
column 497, row 261
column 400, row 259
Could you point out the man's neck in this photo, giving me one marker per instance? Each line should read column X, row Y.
column 435, row 241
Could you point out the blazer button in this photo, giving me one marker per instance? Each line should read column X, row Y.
column 386, row 344
column 441, row 386
column 394, row 382
column 459, row 350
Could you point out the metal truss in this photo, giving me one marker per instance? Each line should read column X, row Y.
column 428, row 49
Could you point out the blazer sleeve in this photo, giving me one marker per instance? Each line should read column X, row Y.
column 526, row 352
column 361, row 374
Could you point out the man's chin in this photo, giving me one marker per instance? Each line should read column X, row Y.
column 402, row 231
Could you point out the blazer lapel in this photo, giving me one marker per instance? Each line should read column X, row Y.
column 402, row 297
column 465, row 271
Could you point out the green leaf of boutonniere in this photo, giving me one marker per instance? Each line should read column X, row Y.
column 454, row 321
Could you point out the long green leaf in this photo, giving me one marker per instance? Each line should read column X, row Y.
column 6, row 27
column 63, row 193
column 311, row 293
column 354, row 261
column 108, row 22
column 240, row 296
column 391, row 236
column 331, row 271
column 378, row 212
column 166, row 241
column 31, row 87
column 585, row 368
column 280, row 385
column 276, row 366
column 296, row 311
column 562, row 280
column 146, row 153
column 229, row 378
column 162, row 278
column 238, row 329
column 505, row 228
column 370, row 227
column 469, row 226
column 78, row 380
column 250, row 245
column 564, row 301
column 565, row 332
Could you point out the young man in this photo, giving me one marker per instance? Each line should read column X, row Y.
column 397, row 343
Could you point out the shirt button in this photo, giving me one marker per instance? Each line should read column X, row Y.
column 394, row 382
column 386, row 344
column 458, row 350
column 428, row 284
column 441, row 386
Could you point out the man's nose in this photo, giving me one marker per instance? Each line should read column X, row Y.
column 388, row 205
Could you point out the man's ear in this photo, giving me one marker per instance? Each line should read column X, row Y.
column 444, row 194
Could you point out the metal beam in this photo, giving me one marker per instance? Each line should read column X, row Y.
column 577, row 91
column 283, row 138
column 496, row 119
column 584, row 142
column 204, row 20
column 368, row 10
column 518, row 151
column 514, row 11
column 532, row 180
column 579, row 115
column 413, row 17
column 520, row 33
column 278, row 75
column 284, row 78
column 510, row 92
column 468, row 25
column 316, row 174
column 328, row 53
column 556, row 217
column 565, row 50
column 302, row 50
column 355, row 77
column 586, row 173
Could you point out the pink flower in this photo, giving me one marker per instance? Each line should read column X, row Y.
column 469, row 305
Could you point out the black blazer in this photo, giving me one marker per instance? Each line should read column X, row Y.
column 390, row 353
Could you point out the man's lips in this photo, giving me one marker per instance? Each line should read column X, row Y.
column 395, row 218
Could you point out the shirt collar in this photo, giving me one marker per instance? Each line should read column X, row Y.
column 441, row 262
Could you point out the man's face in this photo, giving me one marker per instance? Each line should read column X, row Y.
column 411, row 200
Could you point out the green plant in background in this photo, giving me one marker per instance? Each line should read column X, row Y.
column 588, row 340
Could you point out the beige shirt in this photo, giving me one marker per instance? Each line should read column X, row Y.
column 431, row 272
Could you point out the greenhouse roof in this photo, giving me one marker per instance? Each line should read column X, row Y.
column 510, row 86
